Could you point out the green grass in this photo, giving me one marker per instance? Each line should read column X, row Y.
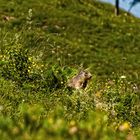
column 42, row 45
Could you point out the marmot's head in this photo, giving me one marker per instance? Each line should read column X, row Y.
column 87, row 75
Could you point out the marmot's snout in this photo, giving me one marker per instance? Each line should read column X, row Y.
column 88, row 75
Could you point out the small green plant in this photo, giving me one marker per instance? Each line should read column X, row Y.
column 119, row 100
column 50, row 78
column 17, row 66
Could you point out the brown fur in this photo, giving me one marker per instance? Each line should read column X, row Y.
column 80, row 81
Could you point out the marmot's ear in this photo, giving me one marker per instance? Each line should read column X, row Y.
column 88, row 69
column 81, row 68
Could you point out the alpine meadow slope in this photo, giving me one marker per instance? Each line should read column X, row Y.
column 44, row 44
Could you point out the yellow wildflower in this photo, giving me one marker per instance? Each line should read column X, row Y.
column 124, row 126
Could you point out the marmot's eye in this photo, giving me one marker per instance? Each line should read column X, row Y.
column 86, row 73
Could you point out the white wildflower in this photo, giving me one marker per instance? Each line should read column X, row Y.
column 123, row 77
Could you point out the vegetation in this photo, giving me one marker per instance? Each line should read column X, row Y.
column 45, row 43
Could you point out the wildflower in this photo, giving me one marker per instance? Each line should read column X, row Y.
column 72, row 123
column 73, row 130
column 30, row 13
column 58, row 59
column 125, row 126
column 69, row 55
column 98, row 94
column 53, row 52
column 58, row 47
column 50, row 120
column 130, row 137
column 15, row 130
column 30, row 59
column 123, row 77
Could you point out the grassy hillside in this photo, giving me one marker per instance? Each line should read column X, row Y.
column 44, row 43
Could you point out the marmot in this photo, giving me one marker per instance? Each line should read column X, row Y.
column 80, row 81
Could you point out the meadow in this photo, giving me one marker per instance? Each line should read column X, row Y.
column 44, row 43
